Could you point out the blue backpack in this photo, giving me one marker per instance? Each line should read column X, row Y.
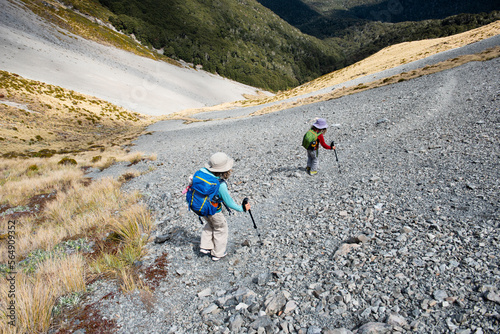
column 202, row 195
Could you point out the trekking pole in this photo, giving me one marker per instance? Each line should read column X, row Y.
column 336, row 157
column 245, row 202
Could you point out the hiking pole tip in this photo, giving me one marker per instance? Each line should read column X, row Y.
column 245, row 202
column 336, row 157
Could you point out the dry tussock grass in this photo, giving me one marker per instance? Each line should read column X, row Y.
column 75, row 211
column 80, row 208
column 21, row 179
column 110, row 155
column 36, row 294
column 135, row 225
column 133, row 230
column 43, row 119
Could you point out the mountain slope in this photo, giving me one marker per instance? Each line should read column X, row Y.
column 364, row 27
column 245, row 41
column 37, row 50
column 241, row 40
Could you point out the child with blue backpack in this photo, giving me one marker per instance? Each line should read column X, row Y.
column 310, row 142
column 205, row 196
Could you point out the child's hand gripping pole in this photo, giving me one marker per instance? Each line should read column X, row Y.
column 246, row 207
column 336, row 157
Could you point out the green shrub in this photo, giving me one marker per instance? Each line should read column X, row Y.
column 97, row 158
column 67, row 161
column 33, row 168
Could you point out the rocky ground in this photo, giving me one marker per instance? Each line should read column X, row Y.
column 399, row 235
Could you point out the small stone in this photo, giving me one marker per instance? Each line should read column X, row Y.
column 344, row 249
column 261, row 322
column 290, row 307
column 425, row 304
column 394, row 319
column 374, row 328
column 451, row 325
column 314, row 330
column 161, row 238
column 338, row 273
column 406, row 229
column 263, row 278
column 492, row 296
column 337, row 331
column 275, row 304
column 204, row 293
column 381, row 121
column 363, row 238
column 440, row 295
column 241, row 306
column 235, row 322
column 211, row 309
column 366, row 313
column 464, row 331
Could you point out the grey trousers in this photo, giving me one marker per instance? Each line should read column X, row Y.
column 214, row 234
column 312, row 160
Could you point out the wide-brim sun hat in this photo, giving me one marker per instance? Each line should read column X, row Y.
column 219, row 162
column 320, row 123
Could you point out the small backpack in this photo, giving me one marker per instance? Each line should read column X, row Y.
column 202, row 195
column 310, row 140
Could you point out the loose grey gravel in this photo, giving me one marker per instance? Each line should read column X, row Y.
column 402, row 238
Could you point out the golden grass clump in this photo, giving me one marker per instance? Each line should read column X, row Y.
column 97, row 210
column 135, row 157
column 36, row 294
column 20, row 180
column 133, row 229
column 75, row 211
column 134, row 225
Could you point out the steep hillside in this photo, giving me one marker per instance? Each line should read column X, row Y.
column 247, row 42
column 47, row 48
column 40, row 120
column 241, row 40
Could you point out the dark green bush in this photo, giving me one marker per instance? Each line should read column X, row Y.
column 67, row 161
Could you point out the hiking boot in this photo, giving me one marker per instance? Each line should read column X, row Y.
column 215, row 258
column 313, row 172
column 205, row 251
column 308, row 169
